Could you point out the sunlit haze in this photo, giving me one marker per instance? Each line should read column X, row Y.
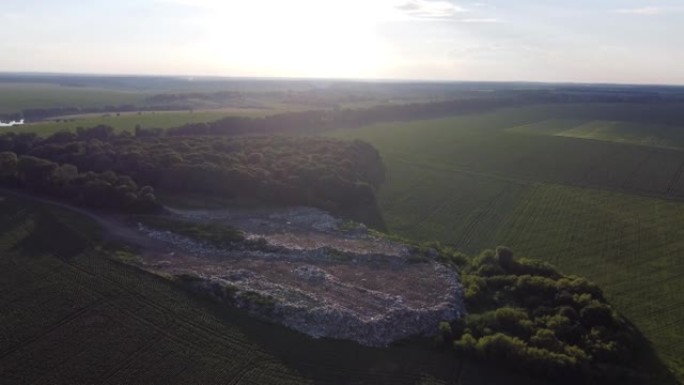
column 627, row 41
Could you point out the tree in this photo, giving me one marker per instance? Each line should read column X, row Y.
column 596, row 314
column 35, row 172
column 64, row 174
column 8, row 164
column 505, row 257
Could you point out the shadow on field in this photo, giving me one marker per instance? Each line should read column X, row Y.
column 368, row 214
column 57, row 232
column 417, row 361
column 327, row 361
column 648, row 361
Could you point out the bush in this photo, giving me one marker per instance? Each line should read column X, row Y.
column 513, row 321
column 596, row 314
column 527, row 315
column 466, row 344
column 504, row 256
column 546, row 339
column 501, row 347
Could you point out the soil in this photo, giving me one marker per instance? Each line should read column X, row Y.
column 316, row 274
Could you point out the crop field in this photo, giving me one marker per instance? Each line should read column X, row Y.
column 609, row 211
column 632, row 246
column 465, row 219
column 19, row 96
column 73, row 315
column 484, row 144
column 654, row 135
column 128, row 121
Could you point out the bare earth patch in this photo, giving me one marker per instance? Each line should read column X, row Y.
column 313, row 273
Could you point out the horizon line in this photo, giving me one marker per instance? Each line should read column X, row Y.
column 191, row 77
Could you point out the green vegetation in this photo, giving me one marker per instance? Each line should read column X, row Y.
column 654, row 135
column 98, row 190
column 526, row 315
column 128, row 121
column 473, row 181
column 258, row 300
column 218, row 235
column 338, row 176
column 15, row 97
column 630, row 245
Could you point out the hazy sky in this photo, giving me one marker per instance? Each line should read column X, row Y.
column 636, row 41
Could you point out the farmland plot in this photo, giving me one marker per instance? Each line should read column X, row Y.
column 428, row 202
column 631, row 246
column 546, row 127
column 488, row 148
column 443, row 181
column 641, row 133
column 654, row 135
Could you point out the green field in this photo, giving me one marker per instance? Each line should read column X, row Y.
column 608, row 211
column 15, row 97
column 631, row 245
column 654, row 135
column 128, row 121
column 71, row 314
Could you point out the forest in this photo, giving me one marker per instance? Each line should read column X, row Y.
column 313, row 121
column 330, row 174
column 105, row 190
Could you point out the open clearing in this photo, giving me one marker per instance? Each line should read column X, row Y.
column 480, row 180
column 308, row 273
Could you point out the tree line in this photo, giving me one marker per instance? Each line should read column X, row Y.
column 320, row 120
column 106, row 190
column 331, row 174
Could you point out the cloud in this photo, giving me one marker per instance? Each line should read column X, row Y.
column 486, row 20
column 483, row 5
column 426, row 9
column 645, row 11
column 192, row 3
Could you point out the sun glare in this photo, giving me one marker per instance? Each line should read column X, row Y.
column 301, row 38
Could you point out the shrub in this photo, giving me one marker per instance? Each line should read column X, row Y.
column 513, row 321
column 596, row 314
column 501, row 347
column 504, row 256
column 546, row 339
column 527, row 315
column 466, row 344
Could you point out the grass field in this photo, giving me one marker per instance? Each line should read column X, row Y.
column 463, row 218
column 73, row 315
column 15, row 97
column 654, row 135
column 631, row 245
column 595, row 208
column 128, row 121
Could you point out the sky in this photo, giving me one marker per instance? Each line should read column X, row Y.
column 607, row 41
